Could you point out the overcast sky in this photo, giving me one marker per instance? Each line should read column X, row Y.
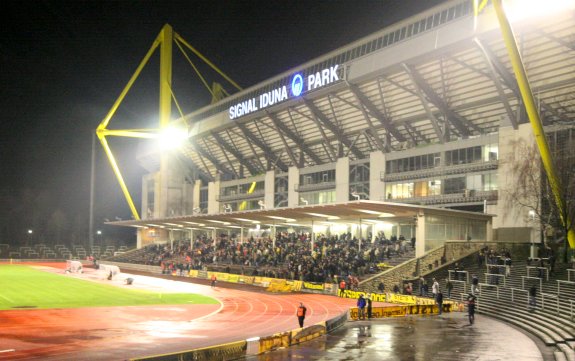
column 64, row 63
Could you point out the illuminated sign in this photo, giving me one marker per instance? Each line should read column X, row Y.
column 297, row 87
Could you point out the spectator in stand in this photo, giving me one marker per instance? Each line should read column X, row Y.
column 421, row 286
column 533, row 297
column 474, row 285
column 396, row 288
column 381, row 287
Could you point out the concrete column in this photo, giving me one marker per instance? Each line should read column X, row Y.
column 213, row 194
column 269, row 186
column 342, row 180
column 420, row 236
column 196, row 194
column 293, row 181
column 376, row 169
column 163, row 180
column 312, row 236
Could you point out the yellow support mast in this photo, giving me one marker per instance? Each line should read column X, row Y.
column 164, row 41
column 533, row 114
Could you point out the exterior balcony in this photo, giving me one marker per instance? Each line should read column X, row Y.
column 469, row 196
column 314, row 187
column 439, row 171
column 241, row 196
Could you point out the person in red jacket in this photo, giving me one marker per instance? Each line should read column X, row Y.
column 301, row 310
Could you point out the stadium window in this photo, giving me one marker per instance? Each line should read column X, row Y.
column 429, row 23
column 402, row 34
column 409, row 30
column 458, row 10
column 443, row 17
column 422, row 26
column 436, row 20
column 450, row 14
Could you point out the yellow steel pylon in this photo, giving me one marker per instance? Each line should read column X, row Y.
column 533, row 114
column 164, row 41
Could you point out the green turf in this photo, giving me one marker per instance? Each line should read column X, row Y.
column 25, row 287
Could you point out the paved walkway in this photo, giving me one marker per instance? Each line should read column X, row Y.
column 416, row 338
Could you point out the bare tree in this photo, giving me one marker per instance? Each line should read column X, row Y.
column 533, row 193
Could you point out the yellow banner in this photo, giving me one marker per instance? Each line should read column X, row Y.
column 398, row 298
column 375, row 297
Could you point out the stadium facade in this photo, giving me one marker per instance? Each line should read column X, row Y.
column 425, row 112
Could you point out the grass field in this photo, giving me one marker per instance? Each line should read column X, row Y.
column 24, row 287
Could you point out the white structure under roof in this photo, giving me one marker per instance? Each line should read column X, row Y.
column 425, row 112
column 365, row 219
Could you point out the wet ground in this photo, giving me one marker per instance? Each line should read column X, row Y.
column 416, row 338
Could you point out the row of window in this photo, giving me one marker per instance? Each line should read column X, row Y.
column 479, row 182
column 475, row 154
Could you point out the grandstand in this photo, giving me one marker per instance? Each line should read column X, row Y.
column 426, row 111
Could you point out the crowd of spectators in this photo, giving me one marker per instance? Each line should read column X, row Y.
column 289, row 257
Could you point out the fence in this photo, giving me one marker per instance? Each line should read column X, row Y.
column 544, row 269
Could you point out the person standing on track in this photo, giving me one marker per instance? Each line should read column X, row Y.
column 301, row 310
column 361, row 308
column 214, row 280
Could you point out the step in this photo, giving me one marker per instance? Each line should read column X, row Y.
column 567, row 351
column 559, row 356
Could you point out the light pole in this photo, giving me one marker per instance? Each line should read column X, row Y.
column 92, row 185
column 30, row 233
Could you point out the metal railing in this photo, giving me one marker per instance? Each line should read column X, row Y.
column 513, row 290
column 488, row 285
column 569, row 271
column 494, row 275
column 571, row 307
column 559, row 282
column 457, row 275
column 464, row 285
column 538, row 268
column 549, row 295
column 523, row 278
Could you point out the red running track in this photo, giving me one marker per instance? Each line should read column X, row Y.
column 119, row 333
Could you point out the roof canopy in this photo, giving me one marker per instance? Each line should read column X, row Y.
column 349, row 212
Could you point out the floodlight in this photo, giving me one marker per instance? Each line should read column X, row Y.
column 518, row 10
column 172, row 138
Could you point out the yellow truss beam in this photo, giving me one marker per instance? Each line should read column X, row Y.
column 164, row 40
column 533, row 114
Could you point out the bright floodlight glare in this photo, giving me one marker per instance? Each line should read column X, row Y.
column 518, row 10
column 172, row 138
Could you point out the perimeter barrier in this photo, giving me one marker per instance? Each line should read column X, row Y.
column 229, row 351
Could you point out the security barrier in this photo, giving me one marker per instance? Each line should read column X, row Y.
column 229, row 351
column 400, row 311
column 335, row 323
column 275, row 341
column 307, row 333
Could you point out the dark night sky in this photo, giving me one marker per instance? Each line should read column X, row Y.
column 64, row 63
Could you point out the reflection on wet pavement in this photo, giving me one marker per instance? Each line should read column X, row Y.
column 416, row 338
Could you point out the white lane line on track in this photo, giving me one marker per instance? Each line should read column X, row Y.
column 8, row 350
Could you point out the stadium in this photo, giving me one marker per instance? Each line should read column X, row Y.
column 411, row 155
